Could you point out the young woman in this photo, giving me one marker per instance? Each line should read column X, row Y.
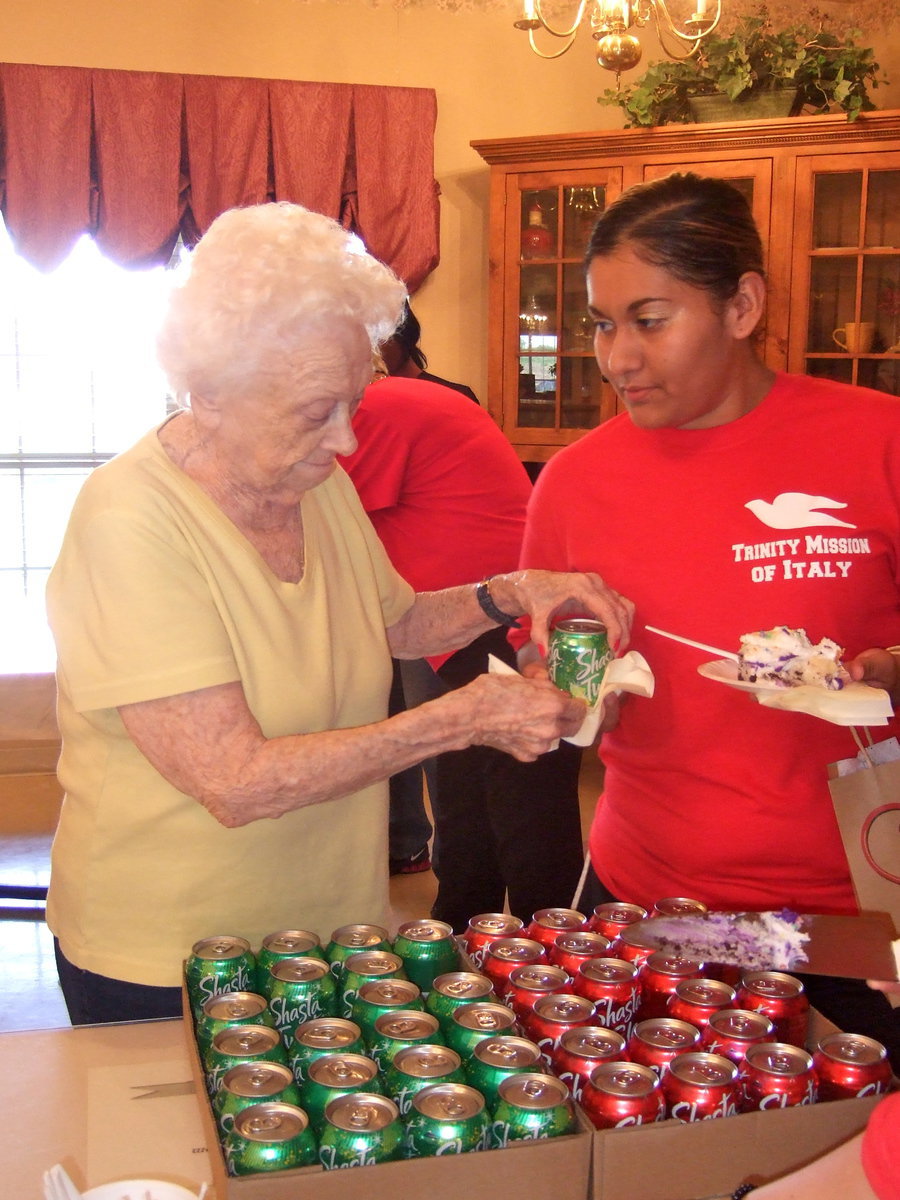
column 726, row 498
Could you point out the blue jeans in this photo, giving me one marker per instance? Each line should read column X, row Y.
column 97, row 1000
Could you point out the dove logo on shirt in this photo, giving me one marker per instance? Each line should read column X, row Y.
column 778, row 557
column 796, row 510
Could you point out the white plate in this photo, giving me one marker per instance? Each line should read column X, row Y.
column 853, row 704
column 725, row 670
column 140, row 1189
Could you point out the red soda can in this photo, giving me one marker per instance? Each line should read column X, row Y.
column 611, row 918
column 701, row 1087
column 487, row 928
column 611, row 985
column 581, row 1051
column 732, row 1031
column 570, row 950
column 527, row 984
column 656, row 1042
column 657, row 977
column 619, row 1094
column 548, row 923
column 782, row 998
column 677, row 906
column 695, row 1000
column 504, row 955
column 552, row 1016
column 629, row 947
column 777, row 1075
column 849, row 1065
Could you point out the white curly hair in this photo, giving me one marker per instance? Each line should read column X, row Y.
column 261, row 282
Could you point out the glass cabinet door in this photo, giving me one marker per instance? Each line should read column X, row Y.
column 852, row 271
column 559, row 386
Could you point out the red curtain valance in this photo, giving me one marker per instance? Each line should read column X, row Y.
column 134, row 158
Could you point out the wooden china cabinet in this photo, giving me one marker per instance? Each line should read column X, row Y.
column 826, row 196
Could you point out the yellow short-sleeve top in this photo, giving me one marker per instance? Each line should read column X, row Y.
column 156, row 593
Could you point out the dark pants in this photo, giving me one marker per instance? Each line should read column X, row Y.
column 848, row 1003
column 408, row 826
column 502, row 828
column 96, row 1000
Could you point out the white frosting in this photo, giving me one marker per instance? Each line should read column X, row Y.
column 787, row 658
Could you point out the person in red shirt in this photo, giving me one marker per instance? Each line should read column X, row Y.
column 726, row 498
column 447, row 496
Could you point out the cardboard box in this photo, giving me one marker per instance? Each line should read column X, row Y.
column 672, row 1161
column 553, row 1169
column 709, row 1159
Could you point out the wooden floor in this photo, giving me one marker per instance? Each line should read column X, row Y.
column 29, row 805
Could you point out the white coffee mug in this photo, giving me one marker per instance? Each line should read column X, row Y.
column 856, row 337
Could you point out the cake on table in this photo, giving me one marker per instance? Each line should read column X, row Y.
column 758, row 941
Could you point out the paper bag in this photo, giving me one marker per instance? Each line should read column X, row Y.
column 867, row 805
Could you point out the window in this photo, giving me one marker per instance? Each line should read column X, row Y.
column 79, row 382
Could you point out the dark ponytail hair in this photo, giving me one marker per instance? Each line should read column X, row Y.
column 700, row 230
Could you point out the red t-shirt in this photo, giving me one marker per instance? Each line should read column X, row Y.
column 788, row 516
column 881, row 1149
column 443, row 487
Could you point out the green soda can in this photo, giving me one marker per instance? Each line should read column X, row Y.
column 416, row 1067
column 498, row 1058
column 394, row 1031
column 363, row 967
column 380, row 996
column 228, row 1009
column 301, row 989
column 473, row 1023
column 287, row 943
column 223, row 963
column 427, row 949
column 578, row 655
column 454, row 990
column 531, row 1107
column 320, row 1036
column 352, row 939
column 336, row 1075
column 359, row 1131
column 269, row 1137
column 446, row 1118
column 240, row 1044
column 253, row 1083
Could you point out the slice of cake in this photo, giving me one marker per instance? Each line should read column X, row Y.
column 766, row 941
column 785, row 657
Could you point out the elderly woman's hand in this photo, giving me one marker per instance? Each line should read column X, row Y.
column 523, row 717
column 544, row 595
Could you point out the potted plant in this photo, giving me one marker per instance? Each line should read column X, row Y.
column 803, row 66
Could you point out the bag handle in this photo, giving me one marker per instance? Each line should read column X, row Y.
column 864, row 749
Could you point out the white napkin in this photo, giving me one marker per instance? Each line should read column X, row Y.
column 630, row 673
column 854, row 704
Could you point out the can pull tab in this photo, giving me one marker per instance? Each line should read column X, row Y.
column 361, row 1116
column 264, row 1124
column 533, row 1088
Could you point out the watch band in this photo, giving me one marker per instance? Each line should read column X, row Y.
column 490, row 609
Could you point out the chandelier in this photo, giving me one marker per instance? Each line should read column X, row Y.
column 618, row 49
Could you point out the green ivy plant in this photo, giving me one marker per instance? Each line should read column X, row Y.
column 830, row 72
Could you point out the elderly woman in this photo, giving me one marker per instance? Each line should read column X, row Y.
column 225, row 618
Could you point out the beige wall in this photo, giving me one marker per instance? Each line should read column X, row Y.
column 488, row 84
